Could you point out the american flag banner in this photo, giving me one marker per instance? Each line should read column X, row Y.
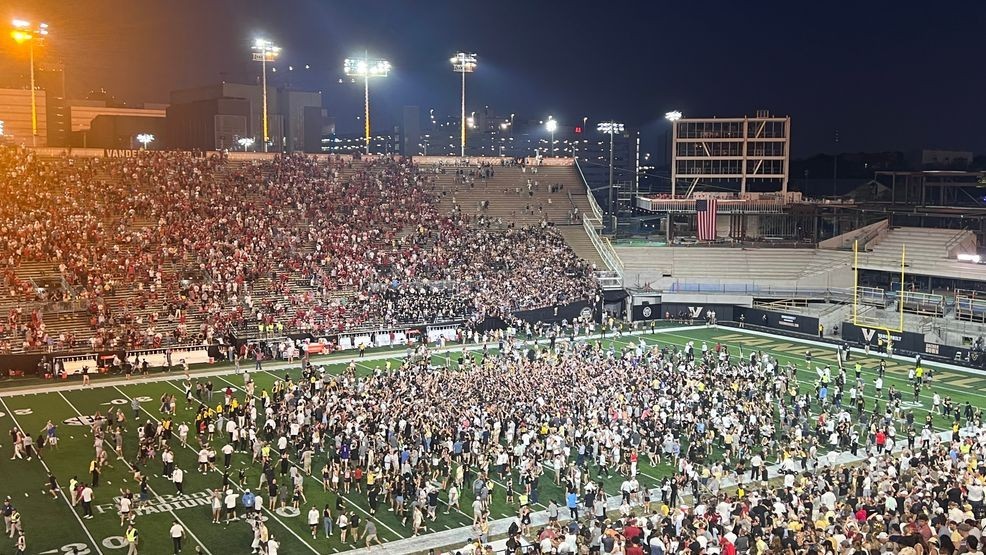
column 706, row 209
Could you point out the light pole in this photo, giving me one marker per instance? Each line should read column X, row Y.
column 551, row 125
column 145, row 139
column 835, row 166
column 366, row 68
column 265, row 51
column 612, row 128
column 463, row 62
column 21, row 33
column 673, row 117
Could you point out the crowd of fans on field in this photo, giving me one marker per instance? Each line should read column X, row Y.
column 171, row 247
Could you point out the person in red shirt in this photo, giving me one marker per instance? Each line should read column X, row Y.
column 881, row 440
column 632, row 532
column 726, row 547
column 633, row 547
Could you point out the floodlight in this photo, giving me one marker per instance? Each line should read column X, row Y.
column 145, row 139
column 609, row 127
column 463, row 62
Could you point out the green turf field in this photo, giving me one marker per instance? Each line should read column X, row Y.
column 53, row 526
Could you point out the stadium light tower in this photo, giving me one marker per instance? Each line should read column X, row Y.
column 673, row 116
column 265, row 51
column 21, row 33
column 145, row 139
column 463, row 63
column 366, row 68
column 551, row 125
column 245, row 142
column 610, row 127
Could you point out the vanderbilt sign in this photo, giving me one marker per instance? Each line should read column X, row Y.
column 871, row 335
column 903, row 341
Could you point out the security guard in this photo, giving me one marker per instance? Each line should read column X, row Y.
column 131, row 536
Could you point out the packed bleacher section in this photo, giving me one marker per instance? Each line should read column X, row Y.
column 165, row 248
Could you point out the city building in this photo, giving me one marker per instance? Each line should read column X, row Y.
column 217, row 117
column 411, row 131
column 117, row 124
column 592, row 150
column 15, row 116
column 355, row 143
column 747, row 154
column 50, row 77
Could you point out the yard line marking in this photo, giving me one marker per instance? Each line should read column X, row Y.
column 319, row 482
column 126, row 462
column 268, row 511
column 95, row 544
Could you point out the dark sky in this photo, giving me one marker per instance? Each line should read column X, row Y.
column 887, row 75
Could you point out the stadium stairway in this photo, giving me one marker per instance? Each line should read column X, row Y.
column 577, row 238
column 511, row 201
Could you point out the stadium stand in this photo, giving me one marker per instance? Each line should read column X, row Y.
column 167, row 248
column 517, row 195
column 664, row 266
column 929, row 252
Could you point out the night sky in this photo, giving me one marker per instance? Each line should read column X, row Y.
column 887, row 75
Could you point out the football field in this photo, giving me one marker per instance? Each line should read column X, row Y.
column 53, row 526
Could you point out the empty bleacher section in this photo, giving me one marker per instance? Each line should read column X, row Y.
column 504, row 192
column 928, row 252
column 694, row 268
column 508, row 194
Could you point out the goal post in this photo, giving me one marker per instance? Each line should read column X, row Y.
column 874, row 296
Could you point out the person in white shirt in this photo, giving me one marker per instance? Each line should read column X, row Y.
column 272, row 545
column 313, row 515
column 178, row 477
column 230, row 501
column 203, row 460
column 227, row 454
column 125, row 504
column 177, row 532
column 87, row 495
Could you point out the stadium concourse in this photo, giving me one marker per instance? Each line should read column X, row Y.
column 689, row 439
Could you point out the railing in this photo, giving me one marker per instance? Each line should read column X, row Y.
column 830, row 294
column 725, row 206
column 604, row 248
column 954, row 242
column 609, row 280
column 596, row 211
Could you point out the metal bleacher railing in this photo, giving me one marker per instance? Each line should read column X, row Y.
column 761, row 291
column 597, row 212
column 872, row 296
column 970, row 309
column 923, row 303
column 592, row 223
